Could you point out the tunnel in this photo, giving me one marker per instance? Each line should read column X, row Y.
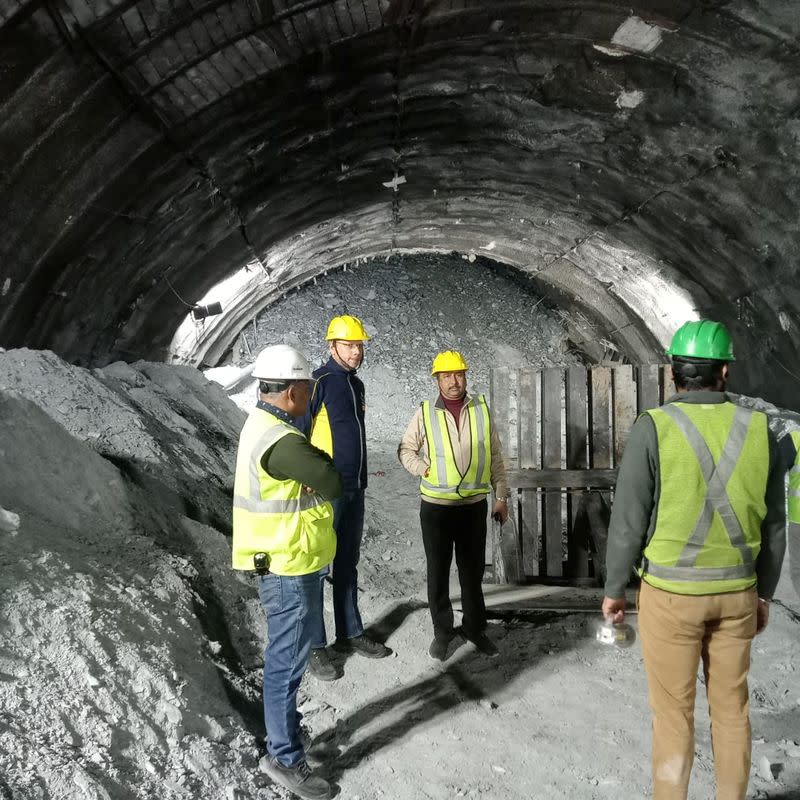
column 636, row 162
column 551, row 186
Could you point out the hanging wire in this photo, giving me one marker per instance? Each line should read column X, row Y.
column 785, row 368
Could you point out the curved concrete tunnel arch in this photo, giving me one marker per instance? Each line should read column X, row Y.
column 611, row 298
column 617, row 153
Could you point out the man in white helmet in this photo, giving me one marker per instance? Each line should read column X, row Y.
column 283, row 532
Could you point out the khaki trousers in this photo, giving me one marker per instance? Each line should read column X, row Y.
column 676, row 631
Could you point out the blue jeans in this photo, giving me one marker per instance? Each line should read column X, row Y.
column 292, row 605
column 348, row 522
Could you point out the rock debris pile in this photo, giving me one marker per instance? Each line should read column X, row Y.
column 128, row 655
column 433, row 303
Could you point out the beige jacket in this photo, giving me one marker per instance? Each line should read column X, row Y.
column 417, row 463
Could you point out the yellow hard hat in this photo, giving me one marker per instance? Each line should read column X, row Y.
column 347, row 329
column 449, row 361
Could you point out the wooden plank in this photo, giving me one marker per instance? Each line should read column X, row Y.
column 527, row 418
column 569, row 598
column 600, row 452
column 600, row 445
column 598, row 514
column 551, row 459
column 563, row 478
column 528, row 458
column 648, row 385
column 511, row 553
column 500, row 405
column 624, row 408
column 577, row 420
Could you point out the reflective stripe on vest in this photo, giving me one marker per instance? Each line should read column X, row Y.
column 793, row 493
column 444, row 479
column 274, row 516
column 716, row 503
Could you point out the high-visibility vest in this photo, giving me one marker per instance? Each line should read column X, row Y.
column 714, row 464
column 444, row 479
column 279, row 518
column 793, row 497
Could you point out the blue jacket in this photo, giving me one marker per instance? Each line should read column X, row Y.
column 335, row 421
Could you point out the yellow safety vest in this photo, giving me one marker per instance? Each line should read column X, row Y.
column 279, row 518
column 714, row 464
column 794, row 482
column 444, row 480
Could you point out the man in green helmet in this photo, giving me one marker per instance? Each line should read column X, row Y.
column 699, row 506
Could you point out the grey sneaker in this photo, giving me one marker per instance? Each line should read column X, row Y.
column 321, row 666
column 299, row 779
column 364, row 646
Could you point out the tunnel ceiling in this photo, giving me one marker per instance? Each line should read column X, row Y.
column 151, row 147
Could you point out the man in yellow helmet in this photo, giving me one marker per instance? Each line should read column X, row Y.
column 335, row 422
column 699, row 506
column 452, row 446
column 283, row 530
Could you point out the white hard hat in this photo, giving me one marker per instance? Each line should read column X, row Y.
column 281, row 362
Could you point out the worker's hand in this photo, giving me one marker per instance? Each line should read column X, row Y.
column 762, row 615
column 614, row 610
column 500, row 511
column 308, row 490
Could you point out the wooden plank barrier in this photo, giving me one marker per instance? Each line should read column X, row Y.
column 563, row 433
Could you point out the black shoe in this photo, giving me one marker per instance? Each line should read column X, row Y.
column 321, row 666
column 439, row 647
column 299, row 779
column 485, row 645
column 364, row 646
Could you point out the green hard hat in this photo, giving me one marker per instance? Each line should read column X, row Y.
column 702, row 339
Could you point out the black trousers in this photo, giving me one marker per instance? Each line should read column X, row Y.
column 463, row 529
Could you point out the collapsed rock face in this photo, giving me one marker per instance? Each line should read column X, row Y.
column 130, row 650
column 433, row 303
column 637, row 160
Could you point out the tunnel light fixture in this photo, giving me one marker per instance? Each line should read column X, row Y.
column 211, row 310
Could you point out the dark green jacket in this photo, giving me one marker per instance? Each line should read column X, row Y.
column 294, row 457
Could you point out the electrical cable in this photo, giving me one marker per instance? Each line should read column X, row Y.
column 786, row 369
column 188, row 305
